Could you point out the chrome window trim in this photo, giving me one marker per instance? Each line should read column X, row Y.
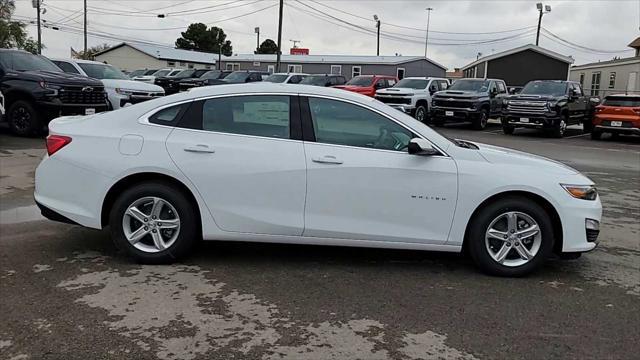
column 144, row 119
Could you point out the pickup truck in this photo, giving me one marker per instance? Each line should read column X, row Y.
column 549, row 105
column 412, row 95
column 474, row 100
column 36, row 91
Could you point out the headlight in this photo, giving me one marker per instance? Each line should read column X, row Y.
column 584, row 192
column 126, row 92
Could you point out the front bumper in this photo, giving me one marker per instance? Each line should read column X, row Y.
column 54, row 108
column 535, row 121
column 407, row 109
column 577, row 217
column 454, row 114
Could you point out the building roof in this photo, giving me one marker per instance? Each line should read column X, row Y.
column 553, row 54
column 333, row 59
column 168, row 53
column 635, row 43
column 623, row 61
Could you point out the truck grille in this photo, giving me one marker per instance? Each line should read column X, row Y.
column 394, row 99
column 82, row 95
column 528, row 107
column 454, row 103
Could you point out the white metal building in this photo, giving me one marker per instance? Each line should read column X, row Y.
column 133, row 56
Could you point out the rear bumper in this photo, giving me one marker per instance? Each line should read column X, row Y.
column 53, row 215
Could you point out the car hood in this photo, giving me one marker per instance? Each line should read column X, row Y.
column 130, row 85
column 397, row 91
column 58, row 78
column 535, row 97
column 506, row 156
column 459, row 94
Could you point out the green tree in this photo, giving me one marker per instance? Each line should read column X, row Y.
column 13, row 33
column 91, row 52
column 268, row 47
column 200, row 38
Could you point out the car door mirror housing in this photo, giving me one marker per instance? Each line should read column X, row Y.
column 421, row 147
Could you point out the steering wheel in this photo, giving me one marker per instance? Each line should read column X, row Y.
column 386, row 135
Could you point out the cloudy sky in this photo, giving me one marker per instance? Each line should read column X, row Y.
column 459, row 30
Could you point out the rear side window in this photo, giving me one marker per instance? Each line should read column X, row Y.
column 266, row 115
column 168, row 116
column 623, row 101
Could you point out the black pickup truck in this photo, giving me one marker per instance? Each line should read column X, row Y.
column 474, row 100
column 36, row 91
column 549, row 105
column 171, row 84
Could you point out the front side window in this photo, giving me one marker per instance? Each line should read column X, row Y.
column 340, row 123
column 266, row 116
column 501, row 88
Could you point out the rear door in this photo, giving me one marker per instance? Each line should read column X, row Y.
column 245, row 158
column 577, row 104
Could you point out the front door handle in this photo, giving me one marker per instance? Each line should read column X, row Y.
column 327, row 159
column 199, row 148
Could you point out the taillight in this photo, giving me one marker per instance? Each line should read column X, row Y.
column 637, row 111
column 56, row 142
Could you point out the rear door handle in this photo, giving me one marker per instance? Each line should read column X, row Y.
column 327, row 159
column 199, row 148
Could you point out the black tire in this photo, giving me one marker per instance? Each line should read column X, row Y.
column 420, row 113
column 559, row 128
column 188, row 234
column 596, row 135
column 481, row 122
column 23, row 119
column 508, row 130
column 483, row 218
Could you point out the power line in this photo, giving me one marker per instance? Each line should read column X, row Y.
column 581, row 47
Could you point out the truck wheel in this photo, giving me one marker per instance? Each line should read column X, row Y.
column 595, row 135
column 23, row 118
column 421, row 113
column 508, row 129
column 481, row 122
column 559, row 128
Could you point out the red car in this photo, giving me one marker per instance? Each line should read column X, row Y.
column 368, row 84
column 618, row 114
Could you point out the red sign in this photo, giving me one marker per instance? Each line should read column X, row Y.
column 299, row 51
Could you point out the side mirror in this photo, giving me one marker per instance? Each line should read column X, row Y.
column 421, row 147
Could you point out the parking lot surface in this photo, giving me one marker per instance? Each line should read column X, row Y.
column 67, row 293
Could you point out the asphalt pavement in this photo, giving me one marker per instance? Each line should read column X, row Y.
column 67, row 293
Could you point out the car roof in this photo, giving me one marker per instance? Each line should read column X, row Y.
column 79, row 61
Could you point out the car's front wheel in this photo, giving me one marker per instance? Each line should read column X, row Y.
column 510, row 237
column 481, row 122
column 421, row 113
column 154, row 223
column 23, row 118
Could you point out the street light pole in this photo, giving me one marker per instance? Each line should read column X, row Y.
column 279, row 37
column 85, row 27
column 39, row 27
column 543, row 10
column 377, row 20
column 257, row 31
column 426, row 41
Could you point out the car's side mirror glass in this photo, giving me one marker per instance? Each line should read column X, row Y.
column 421, row 147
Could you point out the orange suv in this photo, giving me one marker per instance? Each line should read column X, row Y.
column 618, row 114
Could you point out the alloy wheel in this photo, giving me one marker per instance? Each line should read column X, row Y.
column 151, row 224
column 513, row 239
column 483, row 120
column 420, row 114
column 562, row 127
column 21, row 118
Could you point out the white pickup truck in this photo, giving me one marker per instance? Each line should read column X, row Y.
column 412, row 95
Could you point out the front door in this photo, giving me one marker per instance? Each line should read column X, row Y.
column 239, row 155
column 362, row 183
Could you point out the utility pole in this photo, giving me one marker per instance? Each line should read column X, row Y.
column 426, row 41
column 257, row 31
column 85, row 27
column 36, row 4
column 543, row 10
column 377, row 20
column 279, row 37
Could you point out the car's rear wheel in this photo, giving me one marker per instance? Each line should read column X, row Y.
column 154, row 223
column 23, row 119
column 510, row 237
column 481, row 122
column 559, row 128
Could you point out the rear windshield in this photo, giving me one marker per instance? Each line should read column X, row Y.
column 624, row 101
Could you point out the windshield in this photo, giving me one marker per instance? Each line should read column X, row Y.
column 102, row 71
column 161, row 73
column 544, row 88
column 211, row 74
column 361, row 81
column 185, row 74
column 412, row 83
column 315, row 80
column 277, row 78
column 198, row 73
column 470, row 85
column 174, row 72
column 22, row 61
column 150, row 72
column 237, row 76
column 136, row 73
column 622, row 101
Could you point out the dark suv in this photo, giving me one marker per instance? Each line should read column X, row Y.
column 323, row 80
column 550, row 105
column 474, row 100
column 171, row 84
column 36, row 91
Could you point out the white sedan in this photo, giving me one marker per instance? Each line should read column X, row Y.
column 307, row 165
